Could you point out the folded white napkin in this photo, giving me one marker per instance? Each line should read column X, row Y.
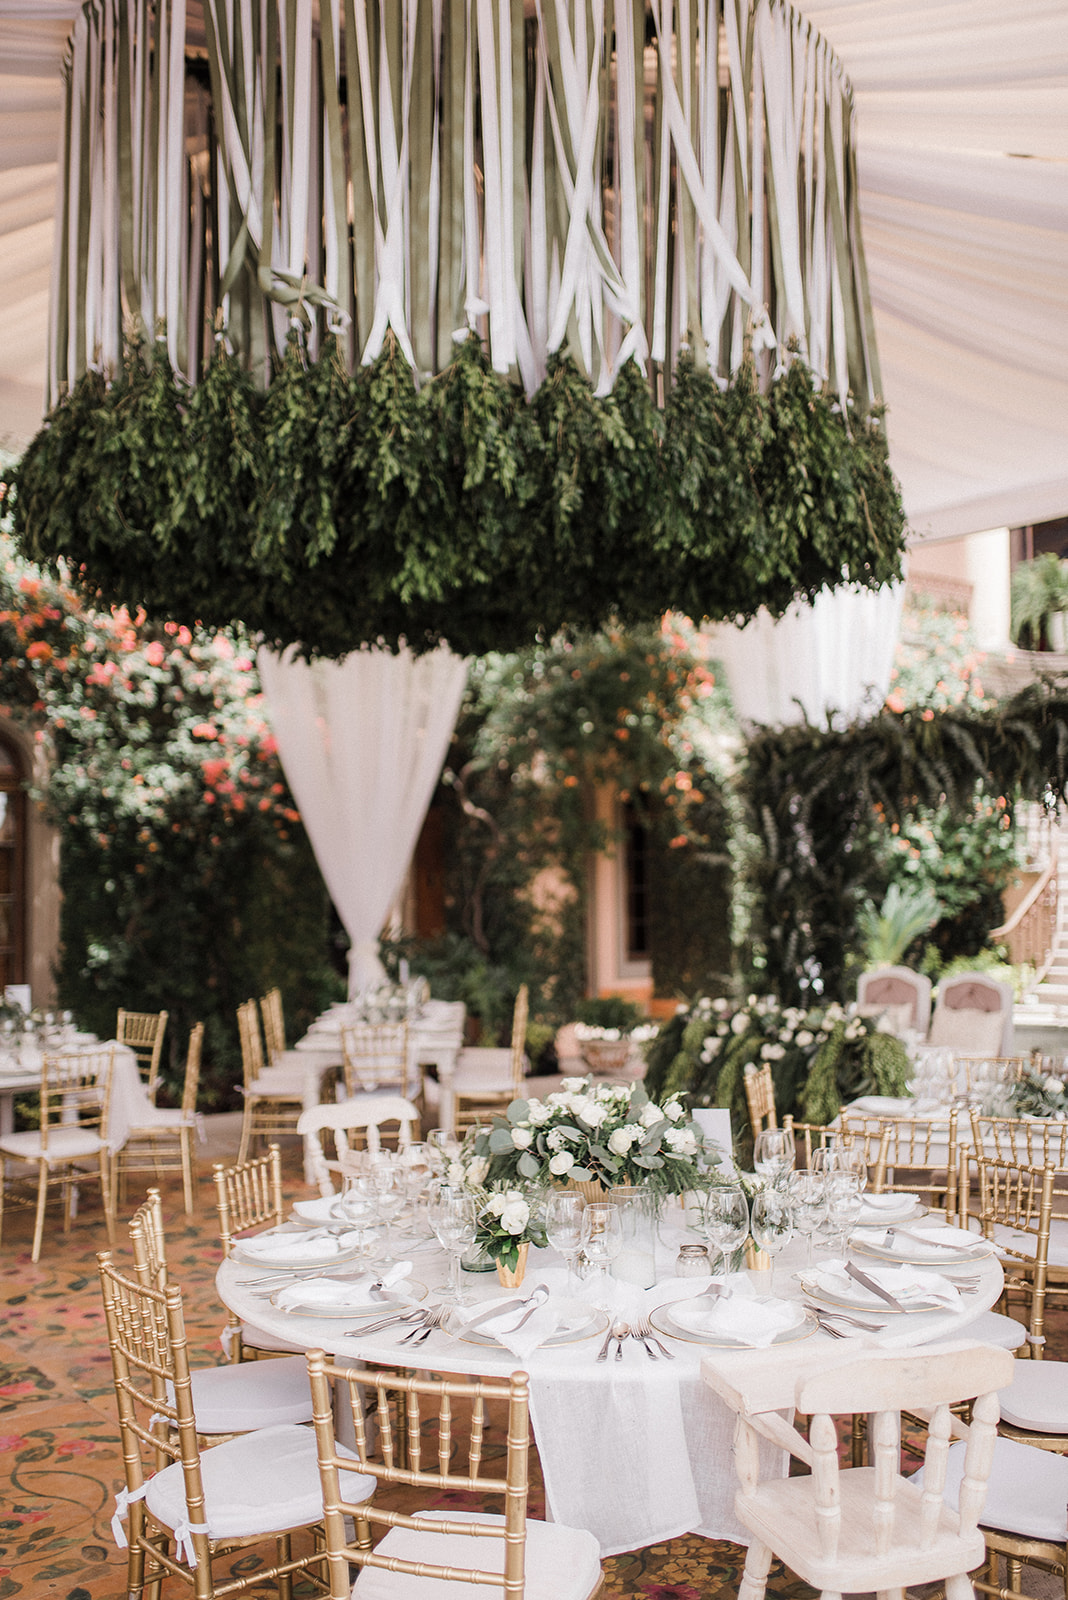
column 908, row 1286
column 930, row 1239
column 556, row 1312
column 740, row 1315
column 342, row 1292
column 320, row 1210
column 886, row 1208
column 298, row 1246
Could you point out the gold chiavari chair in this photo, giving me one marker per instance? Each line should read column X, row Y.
column 810, row 1136
column 510, row 1552
column 249, row 1195
column 1027, row 1141
column 375, row 1058
column 260, row 1486
column 485, row 1080
column 227, row 1399
column 274, row 1023
column 165, row 1142
column 74, row 1101
column 142, row 1032
column 760, row 1098
column 915, row 1155
column 273, row 1099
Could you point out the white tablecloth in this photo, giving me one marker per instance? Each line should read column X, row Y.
column 129, row 1098
column 636, row 1451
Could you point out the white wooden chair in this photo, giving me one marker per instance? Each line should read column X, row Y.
column 853, row 1530
column 367, row 1114
column 892, row 990
column 488, row 1079
column 973, row 1015
column 460, row 1549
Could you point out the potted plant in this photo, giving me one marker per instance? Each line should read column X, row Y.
column 1039, row 602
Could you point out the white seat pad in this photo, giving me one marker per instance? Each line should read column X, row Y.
column 561, row 1563
column 64, row 1144
column 251, row 1394
column 1037, row 1397
column 993, row 1328
column 1027, row 1493
column 264, row 1482
column 260, row 1339
column 1024, row 1243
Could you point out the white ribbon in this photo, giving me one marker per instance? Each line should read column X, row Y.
column 123, row 1500
column 183, row 1538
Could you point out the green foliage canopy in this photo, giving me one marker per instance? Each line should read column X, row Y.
column 334, row 510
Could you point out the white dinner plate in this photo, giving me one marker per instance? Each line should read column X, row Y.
column 302, row 1256
column 396, row 1299
column 915, row 1254
column 664, row 1321
column 863, row 1299
column 584, row 1324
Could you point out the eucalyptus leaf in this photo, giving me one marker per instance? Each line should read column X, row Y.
column 500, row 1141
column 517, row 1111
column 528, row 1166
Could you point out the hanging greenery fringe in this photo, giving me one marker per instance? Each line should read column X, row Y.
column 334, row 510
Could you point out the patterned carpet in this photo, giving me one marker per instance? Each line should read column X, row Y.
column 59, row 1456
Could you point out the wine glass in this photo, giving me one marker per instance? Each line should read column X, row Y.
column 563, row 1229
column 808, row 1191
column 358, row 1205
column 773, row 1154
column 602, row 1240
column 725, row 1219
column 454, row 1219
column 772, row 1222
column 442, row 1148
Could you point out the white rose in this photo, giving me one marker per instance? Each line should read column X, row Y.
column 1053, row 1085
column 739, row 1022
column 719, row 1006
column 772, row 1052
column 673, row 1111
column 538, row 1113
column 681, row 1141
column 515, row 1216
column 496, row 1204
column 555, row 1139
column 562, row 1162
column 804, row 1038
column 650, row 1114
column 592, row 1114
column 455, row 1174
column 522, row 1138
column 620, row 1142
column 573, row 1085
column 476, row 1172
column 854, row 1029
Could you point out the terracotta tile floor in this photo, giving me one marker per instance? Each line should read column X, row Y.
column 59, row 1456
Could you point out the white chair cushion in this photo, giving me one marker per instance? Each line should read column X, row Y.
column 1024, row 1243
column 561, row 1563
column 260, row 1339
column 64, row 1144
column 264, row 1482
column 993, row 1328
column 251, row 1394
column 1027, row 1492
column 1037, row 1397
column 482, row 1068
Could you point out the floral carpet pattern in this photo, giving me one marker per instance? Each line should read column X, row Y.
column 60, row 1462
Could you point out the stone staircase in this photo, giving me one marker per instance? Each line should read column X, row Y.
column 1041, row 1017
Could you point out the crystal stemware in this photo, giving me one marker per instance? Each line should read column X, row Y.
column 454, row 1219
column 563, row 1229
column 771, row 1222
column 773, row 1154
column 725, row 1219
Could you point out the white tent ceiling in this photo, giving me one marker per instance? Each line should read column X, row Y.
column 963, row 131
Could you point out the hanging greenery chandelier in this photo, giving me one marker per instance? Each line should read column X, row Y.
column 432, row 320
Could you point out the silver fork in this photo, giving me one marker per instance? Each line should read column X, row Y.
column 643, row 1330
column 421, row 1334
column 824, row 1313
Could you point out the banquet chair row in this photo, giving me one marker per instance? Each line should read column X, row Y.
column 273, row 1090
column 74, row 1103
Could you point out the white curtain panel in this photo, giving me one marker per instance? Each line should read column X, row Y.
column 363, row 742
column 830, row 659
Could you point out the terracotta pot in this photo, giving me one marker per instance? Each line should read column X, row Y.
column 510, row 1279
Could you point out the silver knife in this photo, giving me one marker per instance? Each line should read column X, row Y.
column 495, row 1311
column 872, row 1287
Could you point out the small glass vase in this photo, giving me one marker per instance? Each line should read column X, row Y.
column 636, row 1262
column 512, row 1277
column 477, row 1259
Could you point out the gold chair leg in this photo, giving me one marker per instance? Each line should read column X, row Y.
column 42, row 1195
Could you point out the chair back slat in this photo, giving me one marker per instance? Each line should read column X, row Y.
column 148, row 1242
column 374, row 1056
column 143, row 1032
column 760, row 1098
column 76, row 1092
column 1017, row 1201
column 191, row 1084
column 248, row 1027
column 274, row 1023
column 248, row 1195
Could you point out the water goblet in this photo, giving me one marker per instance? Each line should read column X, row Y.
column 725, row 1219
column 771, row 1223
column 454, row 1219
column 808, row 1190
column 358, row 1206
column 774, row 1154
column 563, row 1229
column 602, row 1240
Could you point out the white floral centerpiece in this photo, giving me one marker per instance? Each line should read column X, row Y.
column 1037, row 1095
column 507, row 1220
column 585, row 1133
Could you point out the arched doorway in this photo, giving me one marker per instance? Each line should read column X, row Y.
column 12, row 866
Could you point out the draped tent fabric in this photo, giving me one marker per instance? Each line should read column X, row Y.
column 830, row 661
column 962, row 124
column 363, row 742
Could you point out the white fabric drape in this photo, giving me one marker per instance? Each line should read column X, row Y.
column 832, row 658
column 362, row 742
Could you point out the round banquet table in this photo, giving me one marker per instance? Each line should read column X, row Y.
column 637, row 1451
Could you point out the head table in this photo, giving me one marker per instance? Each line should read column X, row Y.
column 637, row 1451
